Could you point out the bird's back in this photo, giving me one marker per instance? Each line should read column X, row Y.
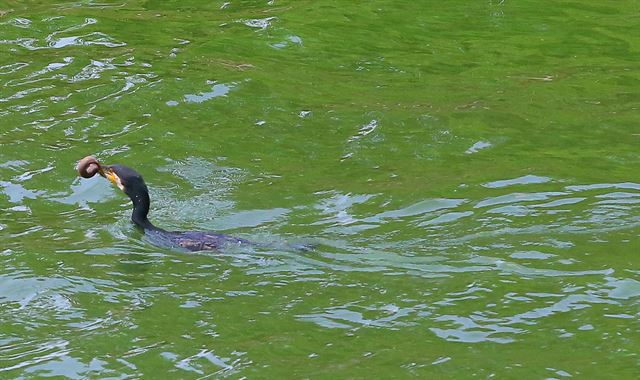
column 195, row 240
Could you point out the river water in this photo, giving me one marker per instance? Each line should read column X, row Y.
column 468, row 173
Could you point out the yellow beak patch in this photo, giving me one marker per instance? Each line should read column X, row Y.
column 111, row 176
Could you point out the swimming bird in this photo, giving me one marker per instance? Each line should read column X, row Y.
column 132, row 184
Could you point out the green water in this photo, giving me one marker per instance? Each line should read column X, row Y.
column 469, row 172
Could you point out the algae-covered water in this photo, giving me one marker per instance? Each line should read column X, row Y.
column 469, row 173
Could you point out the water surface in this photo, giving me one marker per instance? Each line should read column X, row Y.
column 468, row 172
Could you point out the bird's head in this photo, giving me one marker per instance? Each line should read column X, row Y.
column 125, row 178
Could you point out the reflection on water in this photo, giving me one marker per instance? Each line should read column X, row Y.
column 451, row 195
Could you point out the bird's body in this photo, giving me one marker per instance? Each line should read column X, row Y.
column 193, row 240
column 132, row 184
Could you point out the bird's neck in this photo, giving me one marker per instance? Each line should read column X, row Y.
column 141, row 203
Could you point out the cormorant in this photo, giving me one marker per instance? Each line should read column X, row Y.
column 132, row 184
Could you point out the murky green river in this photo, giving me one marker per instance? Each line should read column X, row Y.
column 468, row 171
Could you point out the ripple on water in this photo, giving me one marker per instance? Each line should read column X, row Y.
column 59, row 99
column 624, row 289
column 18, row 353
column 524, row 180
column 58, row 39
column 259, row 23
column 553, row 226
column 70, row 367
column 193, row 363
column 353, row 315
column 217, row 90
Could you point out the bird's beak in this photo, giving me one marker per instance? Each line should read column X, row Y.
column 111, row 175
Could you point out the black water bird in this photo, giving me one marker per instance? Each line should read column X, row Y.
column 132, row 184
